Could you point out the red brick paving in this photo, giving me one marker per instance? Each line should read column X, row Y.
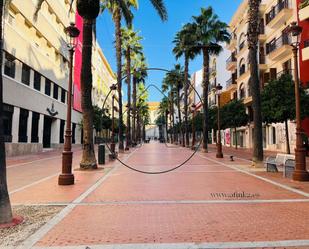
column 121, row 224
column 103, row 223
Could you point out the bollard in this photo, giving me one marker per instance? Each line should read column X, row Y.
column 101, row 154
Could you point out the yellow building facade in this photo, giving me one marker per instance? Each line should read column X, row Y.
column 274, row 56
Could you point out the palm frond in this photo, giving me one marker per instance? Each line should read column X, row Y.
column 160, row 8
column 37, row 9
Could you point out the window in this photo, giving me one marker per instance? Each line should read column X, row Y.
column 9, row 65
column 56, row 92
column 62, row 124
column 25, row 74
column 23, row 125
column 62, row 95
column 47, row 87
column 35, row 127
column 242, row 91
column 37, row 81
column 7, row 122
column 274, row 134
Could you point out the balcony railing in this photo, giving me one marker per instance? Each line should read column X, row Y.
column 277, row 43
column 241, row 46
column 232, row 58
column 276, row 10
column 230, row 82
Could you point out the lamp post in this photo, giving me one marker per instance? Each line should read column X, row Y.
column 66, row 177
column 193, row 126
column 113, row 127
column 219, row 144
column 300, row 173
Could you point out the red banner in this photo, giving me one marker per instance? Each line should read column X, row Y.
column 78, row 65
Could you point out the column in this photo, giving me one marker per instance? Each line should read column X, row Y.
column 29, row 126
column 41, row 128
column 55, row 132
column 15, row 125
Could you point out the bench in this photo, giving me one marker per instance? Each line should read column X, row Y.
column 289, row 168
column 272, row 163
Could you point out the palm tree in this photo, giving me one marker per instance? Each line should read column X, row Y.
column 139, row 67
column 252, row 36
column 5, row 204
column 210, row 32
column 88, row 10
column 184, row 46
column 163, row 113
column 119, row 9
column 173, row 81
column 142, row 110
column 130, row 46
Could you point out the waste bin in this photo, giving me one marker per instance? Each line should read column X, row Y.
column 101, row 154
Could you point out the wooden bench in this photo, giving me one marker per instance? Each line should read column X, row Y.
column 272, row 163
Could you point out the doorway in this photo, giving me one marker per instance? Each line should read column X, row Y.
column 47, row 131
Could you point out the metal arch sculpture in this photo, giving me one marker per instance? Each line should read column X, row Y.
column 114, row 87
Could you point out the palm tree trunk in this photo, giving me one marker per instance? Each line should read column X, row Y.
column 205, row 98
column 5, row 204
column 166, row 126
column 117, row 19
column 235, row 130
column 253, row 33
column 186, row 86
column 288, row 151
column 88, row 160
column 181, row 135
column 134, row 109
column 128, row 58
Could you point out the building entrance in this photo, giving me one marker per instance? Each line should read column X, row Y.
column 47, row 131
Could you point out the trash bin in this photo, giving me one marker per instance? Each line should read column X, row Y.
column 101, row 154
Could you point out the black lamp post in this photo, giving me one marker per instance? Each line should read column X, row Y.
column 219, row 144
column 66, row 177
column 300, row 173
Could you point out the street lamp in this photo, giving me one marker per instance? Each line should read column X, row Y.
column 300, row 173
column 219, row 144
column 66, row 177
column 113, row 128
column 193, row 107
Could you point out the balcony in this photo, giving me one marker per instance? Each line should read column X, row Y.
column 262, row 62
column 231, row 83
column 233, row 42
column 231, row 63
column 279, row 14
column 304, row 13
column 262, row 35
column 243, row 73
column 305, row 51
column 279, row 48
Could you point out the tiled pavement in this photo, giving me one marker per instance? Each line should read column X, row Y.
column 187, row 208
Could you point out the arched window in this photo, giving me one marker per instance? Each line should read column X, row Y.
column 241, row 42
column 242, row 66
column 242, row 91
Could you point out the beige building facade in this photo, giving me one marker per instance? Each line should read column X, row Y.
column 35, row 73
column 275, row 58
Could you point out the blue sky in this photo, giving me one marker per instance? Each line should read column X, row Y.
column 158, row 35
